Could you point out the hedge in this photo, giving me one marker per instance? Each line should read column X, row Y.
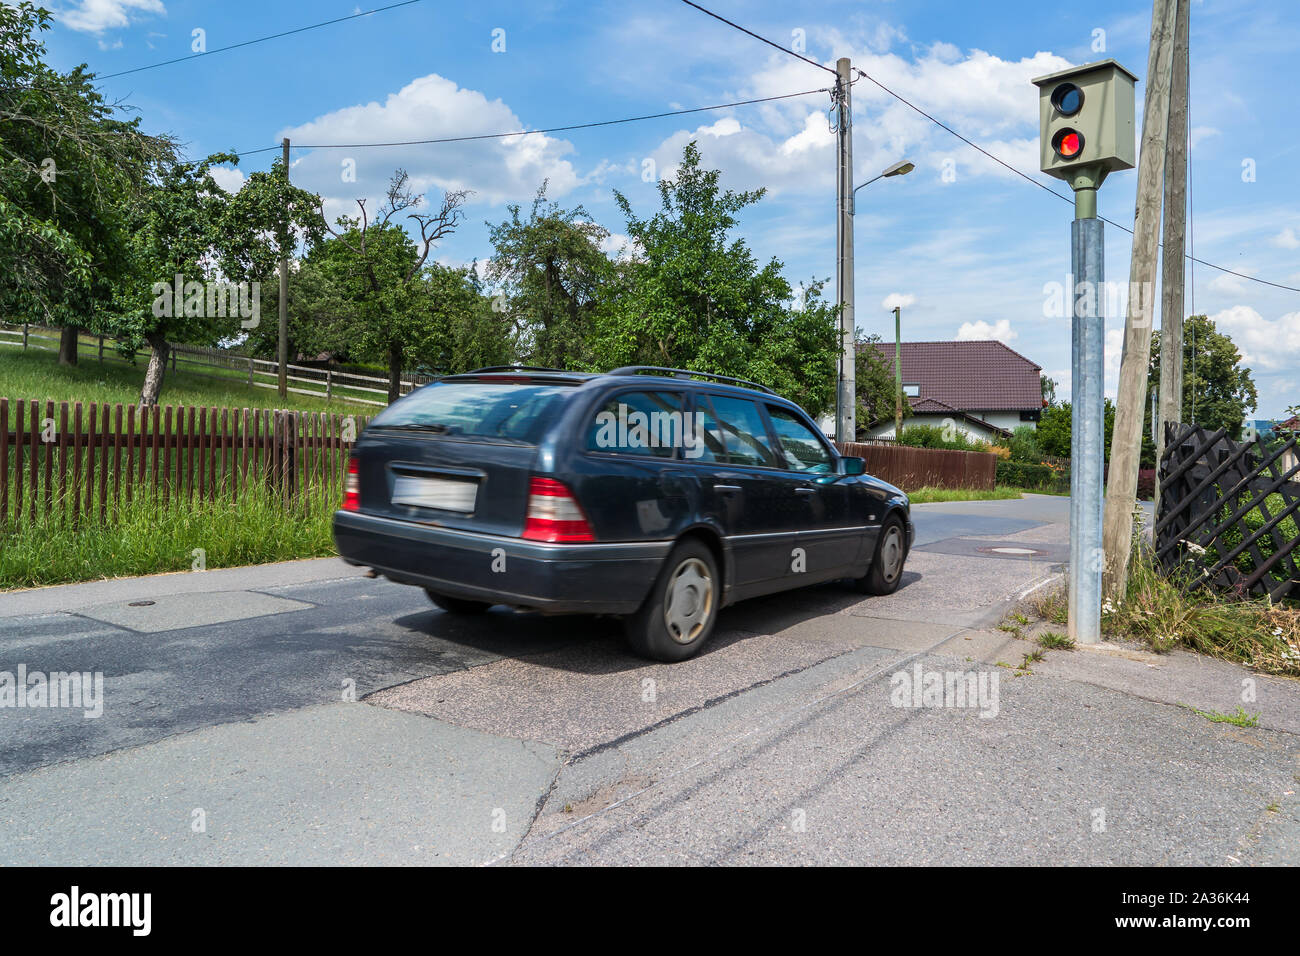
column 1024, row 474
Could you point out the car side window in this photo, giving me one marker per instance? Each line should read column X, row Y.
column 746, row 435
column 705, row 441
column 638, row 423
column 801, row 448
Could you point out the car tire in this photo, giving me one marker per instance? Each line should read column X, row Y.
column 455, row 605
column 886, row 571
column 677, row 616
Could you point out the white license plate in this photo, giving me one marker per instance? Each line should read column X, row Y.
column 445, row 494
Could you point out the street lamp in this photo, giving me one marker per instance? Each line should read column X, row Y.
column 900, row 168
column 845, row 399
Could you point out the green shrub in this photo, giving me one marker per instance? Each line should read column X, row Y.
column 1033, row 475
column 935, row 436
column 1024, row 444
column 1253, row 521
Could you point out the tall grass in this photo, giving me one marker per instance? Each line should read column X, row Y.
column 148, row 537
column 1159, row 609
column 923, row 496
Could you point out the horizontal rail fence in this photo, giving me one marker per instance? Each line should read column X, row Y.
column 1228, row 512
column 75, row 462
column 911, row 468
column 222, row 365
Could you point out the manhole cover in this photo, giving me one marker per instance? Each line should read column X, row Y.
column 1017, row 552
column 140, row 604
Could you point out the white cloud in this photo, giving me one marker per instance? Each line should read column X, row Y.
column 1228, row 283
column 619, row 246
column 982, row 331
column 1264, row 344
column 229, row 178
column 789, row 148
column 431, row 107
column 1286, row 239
column 1199, row 134
column 898, row 300
column 1113, row 349
column 96, row 16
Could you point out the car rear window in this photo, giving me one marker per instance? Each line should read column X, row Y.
column 485, row 410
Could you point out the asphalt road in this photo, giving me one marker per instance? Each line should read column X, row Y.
column 302, row 713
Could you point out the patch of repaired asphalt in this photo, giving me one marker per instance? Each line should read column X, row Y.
column 174, row 612
column 591, row 694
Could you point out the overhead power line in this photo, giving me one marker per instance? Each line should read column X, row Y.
column 762, row 39
column 273, row 36
column 534, row 132
column 1049, row 189
column 972, row 145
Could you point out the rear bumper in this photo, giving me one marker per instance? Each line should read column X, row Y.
column 558, row 578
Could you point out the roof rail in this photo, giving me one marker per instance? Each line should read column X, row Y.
column 514, row 368
column 688, row 373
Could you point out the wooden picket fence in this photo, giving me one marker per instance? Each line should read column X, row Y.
column 79, row 462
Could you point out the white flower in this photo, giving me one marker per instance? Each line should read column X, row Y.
column 1193, row 547
column 1277, row 632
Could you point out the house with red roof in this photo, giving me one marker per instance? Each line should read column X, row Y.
column 985, row 388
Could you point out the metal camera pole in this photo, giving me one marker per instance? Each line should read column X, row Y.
column 1086, row 132
column 1087, row 417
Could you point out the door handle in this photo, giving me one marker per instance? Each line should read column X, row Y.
column 726, row 489
column 805, row 491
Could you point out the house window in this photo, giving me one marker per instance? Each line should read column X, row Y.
column 912, row 391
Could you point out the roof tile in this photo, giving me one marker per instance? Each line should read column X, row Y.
column 969, row 376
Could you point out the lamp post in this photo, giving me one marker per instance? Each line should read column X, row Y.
column 845, row 399
column 901, row 168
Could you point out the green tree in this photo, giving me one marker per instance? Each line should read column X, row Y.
column 876, row 385
column 463, row 329
column 1218, row 390
column 71, row 172
column 692, row 297
column 1054, row 429
column 552, row 275
column 377, row 265
column 268, row 218
column 174, row 230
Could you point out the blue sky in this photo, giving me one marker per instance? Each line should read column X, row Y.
column 969, row 253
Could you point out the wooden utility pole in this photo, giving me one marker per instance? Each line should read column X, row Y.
column 846, row 421
column 284, row 298
column 1175, row 265
column 1130, row 405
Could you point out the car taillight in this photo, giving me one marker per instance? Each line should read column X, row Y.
column 554, row 514
column 352, row 487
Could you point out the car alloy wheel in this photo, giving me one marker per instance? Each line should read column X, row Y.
column 688, row 600
column 891, row 553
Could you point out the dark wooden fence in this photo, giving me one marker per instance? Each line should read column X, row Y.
column 912, row 468
column 82, row 462
column 1228, row 511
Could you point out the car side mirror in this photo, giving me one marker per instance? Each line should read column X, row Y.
column 850, row 465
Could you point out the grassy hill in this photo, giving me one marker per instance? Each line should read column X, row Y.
column 37, row 374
